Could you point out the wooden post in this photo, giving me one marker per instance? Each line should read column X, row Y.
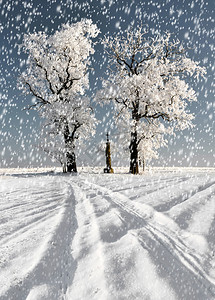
column 108, row 168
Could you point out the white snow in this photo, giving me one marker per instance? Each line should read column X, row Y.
column 107, row 236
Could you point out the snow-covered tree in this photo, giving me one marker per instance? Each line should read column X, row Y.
column 57, row 76
column 147, row 84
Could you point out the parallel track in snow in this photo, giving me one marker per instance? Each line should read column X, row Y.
column 98, row 237
column 169, row 240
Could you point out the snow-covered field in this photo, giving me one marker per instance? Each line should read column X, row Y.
column 107, row 236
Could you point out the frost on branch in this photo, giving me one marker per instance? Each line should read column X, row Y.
column 57, row 76
column 148, row 87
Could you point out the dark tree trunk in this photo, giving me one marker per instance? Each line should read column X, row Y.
column 143, row 160
column 71, row 162
column 134, row 154
column 70, row 155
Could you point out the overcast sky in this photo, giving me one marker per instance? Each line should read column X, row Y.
column 190, row 21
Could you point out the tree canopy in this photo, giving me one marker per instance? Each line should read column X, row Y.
column 57, row 76
column 147, row 84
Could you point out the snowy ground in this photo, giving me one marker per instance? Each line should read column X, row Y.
column 104, row 236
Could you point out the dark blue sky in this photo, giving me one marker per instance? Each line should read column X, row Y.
column 190, row 21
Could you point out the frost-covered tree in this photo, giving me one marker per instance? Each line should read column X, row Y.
column 57, row 77
column 148, row 87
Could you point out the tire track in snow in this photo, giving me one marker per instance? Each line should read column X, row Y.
column 151, row 185
column 183, row 212
column 171, row 243
column 177, row 190
column 51, row 271
column 158, row 187
column 121, row 251
column 26, row 229
column 87, row 252
column 16, row 208
column 13, row 223
column 197, row 217
column 141, row 182
column 175, row 195
column 182, row 194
